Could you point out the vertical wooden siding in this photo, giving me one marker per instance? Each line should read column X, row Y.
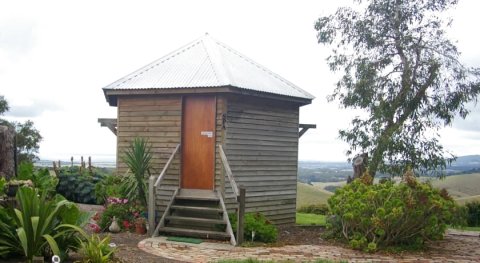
column 157, row 119
column 262, row 149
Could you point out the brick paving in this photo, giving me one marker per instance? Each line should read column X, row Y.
column 456, row 247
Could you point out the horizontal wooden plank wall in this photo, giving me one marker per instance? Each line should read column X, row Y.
column 219, row 133
column 262, row 148
column 157, row 119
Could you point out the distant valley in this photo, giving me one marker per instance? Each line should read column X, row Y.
column 318, row 180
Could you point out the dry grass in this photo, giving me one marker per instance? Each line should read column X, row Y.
column 464, row 188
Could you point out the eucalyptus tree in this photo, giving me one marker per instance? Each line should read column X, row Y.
column 397, row 64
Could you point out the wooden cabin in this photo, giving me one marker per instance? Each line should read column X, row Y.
column 216, row 122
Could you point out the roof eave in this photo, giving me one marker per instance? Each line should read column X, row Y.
column 111, row 95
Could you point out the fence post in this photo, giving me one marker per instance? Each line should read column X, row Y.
column 151, row 205
column 241, row 215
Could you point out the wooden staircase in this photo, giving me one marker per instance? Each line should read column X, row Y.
column 196, row 213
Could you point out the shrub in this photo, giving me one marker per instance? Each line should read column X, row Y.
column 473, row 213
column 120, row 212
column 318, row 209
column 109, row 186
column 3, row 182
column 389, row 214
column 40, row 178
column 78, row 186
column 265, row 231
column 38, row 227
column 96, row 250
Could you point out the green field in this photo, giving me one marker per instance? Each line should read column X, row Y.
column 310, row 219
column 308, row 195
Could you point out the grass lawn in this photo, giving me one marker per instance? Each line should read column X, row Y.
column 467, row 228
column 310, row 219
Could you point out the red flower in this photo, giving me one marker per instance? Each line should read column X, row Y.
column 126, row 224
column 95, row 228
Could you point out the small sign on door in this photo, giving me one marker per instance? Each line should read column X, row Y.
column 209, row 134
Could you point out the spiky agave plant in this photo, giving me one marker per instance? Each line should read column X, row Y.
column 137, row 158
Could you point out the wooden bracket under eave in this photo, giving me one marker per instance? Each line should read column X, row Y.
column 304, row 128
column 110, row 123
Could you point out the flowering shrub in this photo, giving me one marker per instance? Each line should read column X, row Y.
column 388, row 214
column 116, row 201
column 124, row 211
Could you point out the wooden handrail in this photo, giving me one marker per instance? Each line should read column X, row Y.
column 165, row 168
column 228, row 171
column 240, row 194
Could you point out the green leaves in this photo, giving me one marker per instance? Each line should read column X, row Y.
column 32, row 229
column 137, row 157
column 389, row 214
column 397, row 65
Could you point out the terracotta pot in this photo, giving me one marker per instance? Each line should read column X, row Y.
column 140, row 229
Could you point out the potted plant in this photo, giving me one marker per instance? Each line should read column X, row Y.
column 140, row 226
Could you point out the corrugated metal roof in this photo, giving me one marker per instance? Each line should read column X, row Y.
column 207, row 62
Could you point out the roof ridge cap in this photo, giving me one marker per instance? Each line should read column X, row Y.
column 216, row 60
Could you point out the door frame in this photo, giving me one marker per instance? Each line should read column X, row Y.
column 183, row 98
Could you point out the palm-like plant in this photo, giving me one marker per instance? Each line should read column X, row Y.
column 36, row 227
column 137, row 157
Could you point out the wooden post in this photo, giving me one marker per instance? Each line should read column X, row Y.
column 151, row 205
column 7, row 152
column 241, row 215
column 90, row 165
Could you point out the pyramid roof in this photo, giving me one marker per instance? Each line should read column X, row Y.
column 205, row 63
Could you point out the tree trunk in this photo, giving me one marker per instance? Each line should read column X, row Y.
column 7, row 152
column 359, row 164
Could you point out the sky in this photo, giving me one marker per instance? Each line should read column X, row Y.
column 56, row 56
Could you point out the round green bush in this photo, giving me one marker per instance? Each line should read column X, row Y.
column 264, row 230
column 408, row 213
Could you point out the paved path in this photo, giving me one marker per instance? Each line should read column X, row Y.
column 457, row 247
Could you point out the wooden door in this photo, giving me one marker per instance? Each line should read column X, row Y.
column 198, row 142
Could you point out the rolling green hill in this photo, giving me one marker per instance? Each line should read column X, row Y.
column 307, row 194
column 460, row 186
column 464, row 188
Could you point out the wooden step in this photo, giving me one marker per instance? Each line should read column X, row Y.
column 196, row 220
column 197, row 194
column 196, row 208
column 194, row 233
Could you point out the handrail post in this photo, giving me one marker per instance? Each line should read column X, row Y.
column 151, row 205
column 241, row 215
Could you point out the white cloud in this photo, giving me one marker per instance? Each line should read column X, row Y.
column 65, row 52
